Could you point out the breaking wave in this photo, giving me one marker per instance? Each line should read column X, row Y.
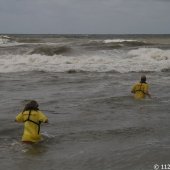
column 136, row 60
column 127, row 42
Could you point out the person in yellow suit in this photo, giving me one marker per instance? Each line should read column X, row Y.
column 32, row 118
column 141, row 89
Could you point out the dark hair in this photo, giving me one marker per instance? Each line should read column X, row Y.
column 143, row 79
column 32, row 105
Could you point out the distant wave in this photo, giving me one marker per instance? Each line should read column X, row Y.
column 4, row 39
column 126, row 42
column 7, row 41
column 118, row 40
column 28, row 40
column 113, row 44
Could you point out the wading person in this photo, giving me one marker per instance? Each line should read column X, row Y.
column 141, row 89
column 32, row 118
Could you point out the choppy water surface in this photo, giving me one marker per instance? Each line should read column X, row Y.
column 94, row 123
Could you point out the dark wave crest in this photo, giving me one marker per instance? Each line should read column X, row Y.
column 72, row 71
column 50, row 50
column 165, row 70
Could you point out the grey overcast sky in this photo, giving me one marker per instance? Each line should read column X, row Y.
column 85, row 16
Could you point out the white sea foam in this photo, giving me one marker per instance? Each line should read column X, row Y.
column 118, row 40
column 4, row 39
column 142, row 59
column 7, row 41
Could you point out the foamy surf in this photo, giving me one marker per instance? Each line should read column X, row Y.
column 142, row 59
column 119, row 40
column 4, row 39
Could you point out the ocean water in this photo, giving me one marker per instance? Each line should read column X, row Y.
column 83, row 84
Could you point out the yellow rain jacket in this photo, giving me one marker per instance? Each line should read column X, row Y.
column 140, row 90
column 32, row 120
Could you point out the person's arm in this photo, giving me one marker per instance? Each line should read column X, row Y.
column 42, row 117
column 46, row 121
column 19, row 118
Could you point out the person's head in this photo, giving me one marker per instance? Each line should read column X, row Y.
column 143, row 79
column 32, row 105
